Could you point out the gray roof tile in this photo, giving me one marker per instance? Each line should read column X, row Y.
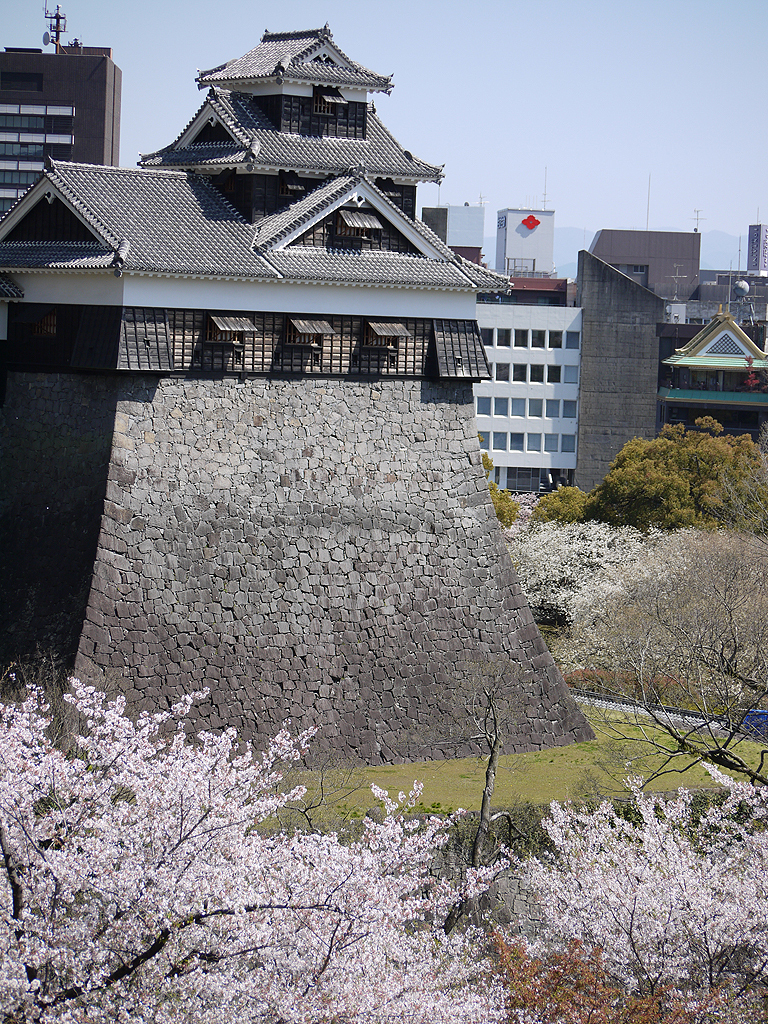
column 57, row 255
column 257, row 141
column 272, row 229
column 291, row 55
column 176, row 223
column 9, row 289
column 371, row 267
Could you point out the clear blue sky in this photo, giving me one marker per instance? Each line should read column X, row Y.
column 603, row 94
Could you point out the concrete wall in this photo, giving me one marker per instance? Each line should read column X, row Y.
column 316, row 549
column 619, row 366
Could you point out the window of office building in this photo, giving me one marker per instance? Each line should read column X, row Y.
column 486, row 333
column 503, row 337
column 21, row 81
column 538, row 339
column 516, row 442
column 534, row 442
column 517, row 407
column 568, row 443
column 537, row 374
column 521, row 339
column 483, row 439
column 571, row 339
column 519, row 372
column 499, row 441
column 553, row 374
column 534, row 406
column 500, row 406
column 502, row 371
column 569, row 410
column 483, row 406
column 553, row 408
column 550, row 442
column 571, row 374
column 555, row 339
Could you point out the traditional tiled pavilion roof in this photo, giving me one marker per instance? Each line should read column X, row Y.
column 720, row 345
column 256, row 142
column 173, row 222
column 304, row 56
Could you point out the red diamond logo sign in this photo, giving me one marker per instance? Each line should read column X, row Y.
column 531, row 222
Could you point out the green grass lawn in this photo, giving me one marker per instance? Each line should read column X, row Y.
column 595, row 768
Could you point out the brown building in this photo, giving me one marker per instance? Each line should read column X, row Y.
column 665, row 262
column 63, row 105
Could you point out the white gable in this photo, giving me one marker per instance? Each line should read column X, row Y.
column 725, row 344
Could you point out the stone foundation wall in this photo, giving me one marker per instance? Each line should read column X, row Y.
column 323, row 550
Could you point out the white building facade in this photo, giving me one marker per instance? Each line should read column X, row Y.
column 527, row 414
column 525, row 241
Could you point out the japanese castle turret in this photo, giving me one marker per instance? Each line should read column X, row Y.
column 238, row 438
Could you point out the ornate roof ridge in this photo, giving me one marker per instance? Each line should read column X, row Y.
column 280, row 224
column 55, row 174
column 275, row 57
column 306, row 33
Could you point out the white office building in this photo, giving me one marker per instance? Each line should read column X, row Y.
column 527, row 415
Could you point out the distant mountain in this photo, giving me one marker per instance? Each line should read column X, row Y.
column 719, row 251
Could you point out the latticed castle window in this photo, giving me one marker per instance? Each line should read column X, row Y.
column 382, row 335
column 46, row 325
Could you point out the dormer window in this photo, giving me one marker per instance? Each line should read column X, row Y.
column 381, row 335
column 226, row 336
column 290, row 185
column 356, row 224
column 326, row 99
column 308, row 332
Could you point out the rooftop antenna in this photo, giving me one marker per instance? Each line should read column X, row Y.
column 648, row 208
column 677, row 276
column 57, row 25
column 739, row 270
column 481, row 200
column 697, row 217
column 544, row 199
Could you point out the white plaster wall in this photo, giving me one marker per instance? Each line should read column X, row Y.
column 102, row 289
column 188, row 293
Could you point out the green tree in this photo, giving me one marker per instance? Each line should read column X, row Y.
column 565, row 505
column 505, row 506
column 674, row 480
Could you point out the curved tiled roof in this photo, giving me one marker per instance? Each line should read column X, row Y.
column 56, row 255
column 369, row 267
column 176, row 223
column 257, row 141
column 293, row 55
column 173, row 222
column 275, row 227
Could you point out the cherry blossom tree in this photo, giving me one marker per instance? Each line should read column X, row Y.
column 561, row 565
column 144, row 877
column 671, row 898
column 687, row 626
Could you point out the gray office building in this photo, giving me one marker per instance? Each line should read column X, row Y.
column 65, row 105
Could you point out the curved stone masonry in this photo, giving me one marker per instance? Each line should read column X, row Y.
column 316, row 549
